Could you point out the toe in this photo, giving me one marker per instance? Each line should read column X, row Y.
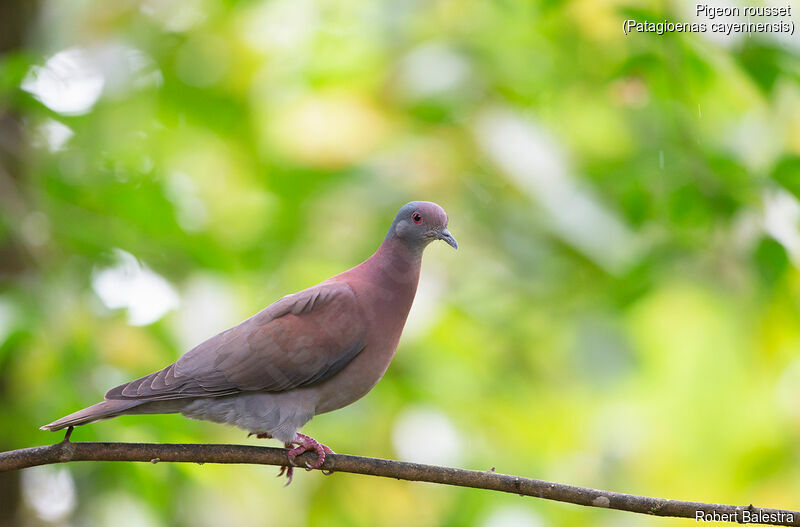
column 320, row 457
column 288, row 472
column 305, row 444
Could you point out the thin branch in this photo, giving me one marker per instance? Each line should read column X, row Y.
column 66, row 451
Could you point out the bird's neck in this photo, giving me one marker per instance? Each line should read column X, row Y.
column 394, row 265
column 390, row 276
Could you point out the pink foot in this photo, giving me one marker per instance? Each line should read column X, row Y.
column 304, row 444
column 289, row 471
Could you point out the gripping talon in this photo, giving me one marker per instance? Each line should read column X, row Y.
column 289, row 472
column 306, row 444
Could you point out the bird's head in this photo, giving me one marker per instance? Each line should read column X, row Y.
column 419, row 223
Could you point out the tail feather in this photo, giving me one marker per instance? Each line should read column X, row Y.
column 96, row 412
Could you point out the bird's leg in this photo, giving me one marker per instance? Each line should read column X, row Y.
column 304, row 444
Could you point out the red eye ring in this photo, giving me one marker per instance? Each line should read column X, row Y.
column 416, row 217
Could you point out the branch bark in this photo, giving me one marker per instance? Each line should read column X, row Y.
column 67, row 451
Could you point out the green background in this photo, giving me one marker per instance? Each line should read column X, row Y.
column 622, row 312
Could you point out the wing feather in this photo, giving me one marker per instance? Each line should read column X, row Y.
column 300, row 340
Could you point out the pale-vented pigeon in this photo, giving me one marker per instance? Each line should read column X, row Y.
column 308, row 353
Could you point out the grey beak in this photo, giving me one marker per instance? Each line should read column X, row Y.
column 446, row 237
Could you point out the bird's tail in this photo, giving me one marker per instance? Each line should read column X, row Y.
column 105, row 410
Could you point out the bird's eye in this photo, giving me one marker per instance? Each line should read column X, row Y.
column 417, row 217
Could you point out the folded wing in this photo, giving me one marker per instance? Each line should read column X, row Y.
column 301, row 339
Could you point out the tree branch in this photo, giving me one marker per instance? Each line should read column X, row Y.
column 66, row 451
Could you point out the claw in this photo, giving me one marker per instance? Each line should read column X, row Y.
column 305, row 444
column 289, row 471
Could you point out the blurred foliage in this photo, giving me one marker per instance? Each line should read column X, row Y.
column 623, row 312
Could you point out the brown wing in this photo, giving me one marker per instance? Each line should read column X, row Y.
column 299, row 340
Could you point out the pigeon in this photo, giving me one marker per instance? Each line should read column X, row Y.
column 306, row 354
